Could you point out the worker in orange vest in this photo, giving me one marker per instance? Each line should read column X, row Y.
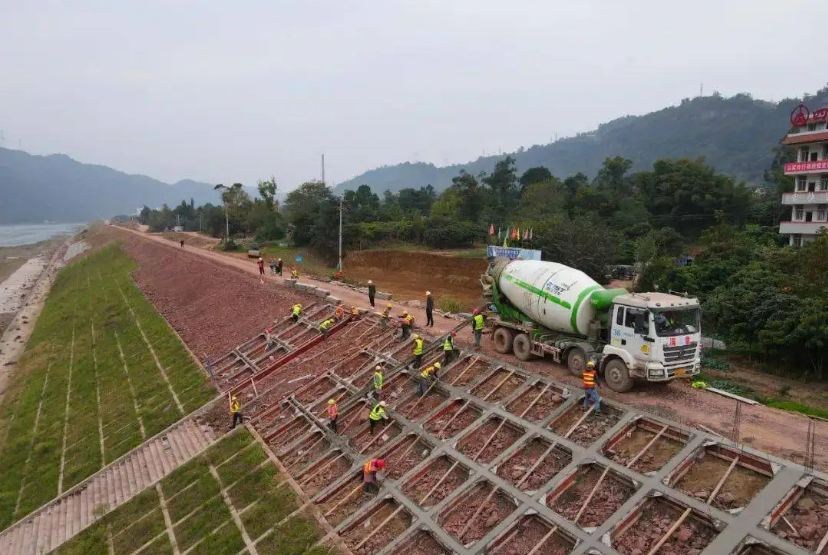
column 339, row 313
column 407, row 324
column 591, row 384
column 333, row 414
column 369, row 474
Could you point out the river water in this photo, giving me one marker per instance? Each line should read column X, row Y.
column 27, row 234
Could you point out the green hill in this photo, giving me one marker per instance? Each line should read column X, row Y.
column 736, row 135
column 60, row 189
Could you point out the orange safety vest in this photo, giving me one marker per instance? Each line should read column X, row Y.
column 370, row 466
column 589, row 379
column 333, row 411
column 340, row 312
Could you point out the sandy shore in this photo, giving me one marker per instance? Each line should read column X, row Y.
column 22, row 294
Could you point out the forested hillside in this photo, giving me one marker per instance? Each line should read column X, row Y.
column 734, row 135
column 60, row 189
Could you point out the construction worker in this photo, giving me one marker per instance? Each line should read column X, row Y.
column 260, row 264
column 418, row 350
column 372, row 292
column 407, row 324
column 235, row 410
column 339, row 313
column 377, row 413
column 355, row 313
column 448, row 348
column 427, row 376
column 269, row 339
column 379, row 380
column 333, row 414
column 294, row 273
column 477, row 327
column 369, row 474
column 429, row 310
column 590, row 387
column 326, row 326
column 279, row 266
column 297, row 311
column 385, row 316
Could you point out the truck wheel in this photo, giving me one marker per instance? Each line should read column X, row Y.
column 618, row 376
column 522, row 346
column 576, row 360
column 503, row 338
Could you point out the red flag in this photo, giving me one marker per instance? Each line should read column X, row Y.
column 491, row 229
column 514, row 233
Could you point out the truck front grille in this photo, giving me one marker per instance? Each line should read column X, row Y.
column 680, row 354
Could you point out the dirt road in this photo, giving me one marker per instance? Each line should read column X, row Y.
column 778, row 432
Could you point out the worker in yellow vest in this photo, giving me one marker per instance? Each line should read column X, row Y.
column 407, row 324
column 369, row 474
column 333, row 414
column 379, row 380
column 477, row 327
column 326, row 326
column 590, row 385
column 427, row 376
column 418, row 351
column 385, row 316
column 235, row 411
column 297, row 311
column 377, row 413
column 448, row 348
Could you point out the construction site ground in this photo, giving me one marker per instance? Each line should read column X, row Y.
column 497, row 458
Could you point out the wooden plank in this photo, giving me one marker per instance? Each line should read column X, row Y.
column 732, row 396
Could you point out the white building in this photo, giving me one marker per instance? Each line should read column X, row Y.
column 809, row 201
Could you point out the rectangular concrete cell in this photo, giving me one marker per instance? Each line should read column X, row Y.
column 523, row 469
column 802, row 517
column 365, row 443
column 486, row 442
column 590, row 495
column 582, row 428
column 376, row 527
column 476, row 512
column 755, row 547
column 645, row 445
column 288, row 433
column 315, row 390
column 453, row 419
column 404, row 455
column 537, row 402
column 499, row 385
column 660, row 518
column 701, row 475
column 314, row 446
column 466, row 371
column 421, row 543
column 435, row 482
column 532, row 532
column 345, row 500
column 352, row 365
column 323, row 473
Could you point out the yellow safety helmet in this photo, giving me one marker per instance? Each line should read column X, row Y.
column 299, row 305
column 378, row 368
column 389, row 305
column 234, row 398
column 415, row 336
column 331, row 401
column 590, row 364
column 438, row 365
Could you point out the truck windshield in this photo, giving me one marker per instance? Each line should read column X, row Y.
column 676, row 322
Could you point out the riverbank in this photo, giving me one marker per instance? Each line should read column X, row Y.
column 20, row 268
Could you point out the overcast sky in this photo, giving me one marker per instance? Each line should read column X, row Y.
column 224, row 91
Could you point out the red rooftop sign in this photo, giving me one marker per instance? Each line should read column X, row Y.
column 801, row 116
column 806, row 166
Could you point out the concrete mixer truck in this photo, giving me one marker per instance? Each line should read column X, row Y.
column 546, row 308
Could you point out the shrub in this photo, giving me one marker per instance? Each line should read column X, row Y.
column 449, row 305
column 229, row 246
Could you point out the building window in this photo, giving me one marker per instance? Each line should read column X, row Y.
column 803, row 154
column 799, row 213
column 823, row 183
column 825, row 152
column 796, row 240
column 800, row 183
column 811, row 127
column 814, row 156
column 820, row 213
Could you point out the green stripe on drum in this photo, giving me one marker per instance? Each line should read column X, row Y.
column 539, row 292
column 573, row 319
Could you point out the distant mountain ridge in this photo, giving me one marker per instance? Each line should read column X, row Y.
column 57, row 188
column 736, row 135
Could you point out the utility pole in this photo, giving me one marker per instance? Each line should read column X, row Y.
column 340, row 233
column 323, row 168
column 200, row 217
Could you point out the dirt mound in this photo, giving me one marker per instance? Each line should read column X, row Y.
column 212, row 306
column 408, row 275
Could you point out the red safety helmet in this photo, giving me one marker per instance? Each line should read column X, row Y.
column 454, row 334
column 380, row 463
column 476, row 312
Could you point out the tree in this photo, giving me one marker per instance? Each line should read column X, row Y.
column 267, row 190
column 144, row 216
column 542, row 199
column 362, row 205
column 472, row 198
column 583, row 243
column 538, row 174
column 503, row 184
column 313, row 211
column 231, row 197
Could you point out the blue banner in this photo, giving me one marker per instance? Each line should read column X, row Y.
column 513, row 253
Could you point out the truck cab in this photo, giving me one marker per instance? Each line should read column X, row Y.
column 657, row 337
